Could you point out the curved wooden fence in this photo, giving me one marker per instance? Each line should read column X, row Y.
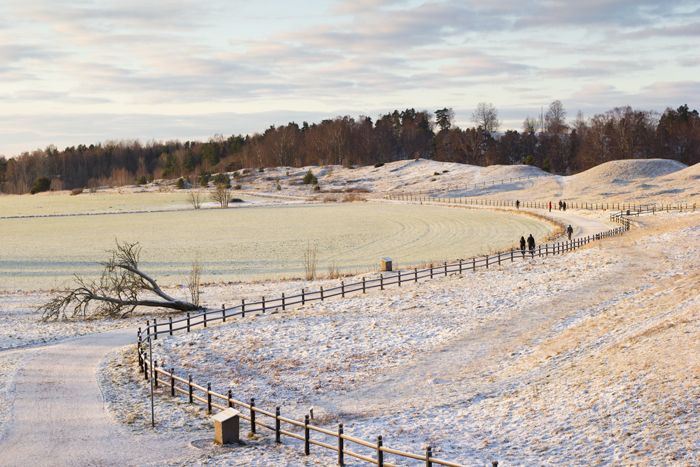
column 203, row 393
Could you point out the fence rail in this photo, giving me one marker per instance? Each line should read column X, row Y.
column 192, row 390
column 634, row 209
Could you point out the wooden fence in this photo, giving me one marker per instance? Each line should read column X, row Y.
column 634, row 209
column 398, row 278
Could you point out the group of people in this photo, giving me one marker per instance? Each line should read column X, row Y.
column 530, row 244
column 531, row 241
column 562, row 206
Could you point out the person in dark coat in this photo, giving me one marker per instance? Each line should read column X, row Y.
column 522, row 245
column 517, row 203
column 564, row 205
column 560, row 205
column 531, row 244
column 570, row 230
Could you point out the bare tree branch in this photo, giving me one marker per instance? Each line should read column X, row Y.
column 117, row 294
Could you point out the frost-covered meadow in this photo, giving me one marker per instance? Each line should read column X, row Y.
column 237, row 244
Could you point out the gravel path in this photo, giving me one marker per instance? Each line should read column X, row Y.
column 59, row 417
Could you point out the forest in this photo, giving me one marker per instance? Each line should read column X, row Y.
column 548, row 141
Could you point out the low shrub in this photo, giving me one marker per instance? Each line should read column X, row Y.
column 436, row 173
column 279, row 188
column 236, row 200
column 180, row 183
column 310, row 178
column 237, row 187
column 76, row 191
column 141, row 180
column 317, row 188
column 261, row 169
column 41, row 184
column 223, row 180
column 378, row 164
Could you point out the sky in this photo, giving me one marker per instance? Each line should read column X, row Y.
column 84, row 72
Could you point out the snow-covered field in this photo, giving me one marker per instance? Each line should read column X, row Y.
column 589, row 358
column 245, row 244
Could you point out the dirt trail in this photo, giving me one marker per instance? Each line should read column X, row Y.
column 583, row 226
column 59, row 417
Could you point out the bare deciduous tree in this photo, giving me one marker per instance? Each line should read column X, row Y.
column 221, row 195
column 555, row 118
column 118, row 292
column 196, row 200
column 486, row 116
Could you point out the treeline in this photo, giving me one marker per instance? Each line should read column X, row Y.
column 549, row 142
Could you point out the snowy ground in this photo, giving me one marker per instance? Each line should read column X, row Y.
column 589, row 358
column 585, row 358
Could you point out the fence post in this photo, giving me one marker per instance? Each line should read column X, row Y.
column 155, row 330
column 155, row 373
column 172, row 382
column 170, row 324
column 189, row 388
column 381, row 282
column 321, row 293
column 307, row 445
column 342, row 288
column 487, row 261
column 147, row 369
column 460, row 266
column 277, row 425
column 223, row 312
column 363, row 285
column 431, row 270
column 188, row 321
column 242, row 308
column 428, row 455
column 380, row 453
column 499, row 259
column 283, row 305
column 445, row 268
column 399, row 278
column 230, row 402
column 474, row 264
column 252, row 415
column 208, row 397
column 263, row 304
column 204, row 318
column 341, row 457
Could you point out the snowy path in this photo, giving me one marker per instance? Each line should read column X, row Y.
column 59, row 417
column 583, row 226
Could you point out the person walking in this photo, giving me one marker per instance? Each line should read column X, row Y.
column 560, row 205
column 517, row 204
column 564, row 205
column 550, row 206
column 531, row 245
column 522, row 245
column 569, row 230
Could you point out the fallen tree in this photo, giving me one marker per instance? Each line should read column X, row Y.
column 119, row 291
